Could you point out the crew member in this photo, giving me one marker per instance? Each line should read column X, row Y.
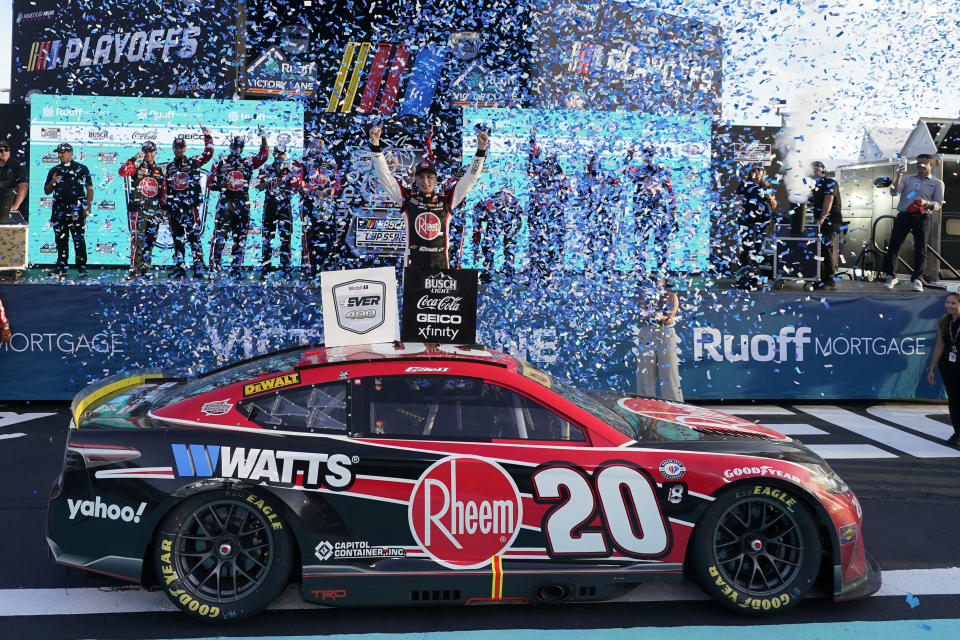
column 72, row 189
column 5, row 334
column 546, row 226
column 654, row 207
column 825, row 206
column 600, row 192
column 231, row 177
column 278, row 180
column 13, row 183
column 184, row 197
column 317, row 180
column 497, row 217
column 755, row 204
column 427, row 212
column 145, row 203
column 920, row 195
column 946, row 358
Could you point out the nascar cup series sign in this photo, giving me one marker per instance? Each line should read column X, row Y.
column 359, row 306
column 440, row 305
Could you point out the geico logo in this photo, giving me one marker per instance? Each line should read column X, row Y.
column 280, row 467
column 271, row 383
column 439, row 317
column 362, row 301
column 361, row 314
column 709, row 343
column 764, row 470
column 107, row 343
column 96, row 508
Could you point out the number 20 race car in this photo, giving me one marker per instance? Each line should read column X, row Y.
column 416, row 474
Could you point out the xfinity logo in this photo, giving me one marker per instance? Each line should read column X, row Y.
column 98, row 509
column 265, row 465
column 710, row 343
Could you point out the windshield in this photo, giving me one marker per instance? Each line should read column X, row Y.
column 579, row 398
column 230, row 375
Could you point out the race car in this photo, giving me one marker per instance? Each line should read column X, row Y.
column 394, row 474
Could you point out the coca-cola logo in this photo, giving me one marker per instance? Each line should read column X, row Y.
column 235, row 181
column 427, row 226
column 446, row 303
column 464, row 511
column 148, row 187
column 180, row 181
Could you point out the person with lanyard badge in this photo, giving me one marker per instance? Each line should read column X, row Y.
column 13, row 184
column 146, row 201
column 231, row 177
column 72, row 188
column 946, row 358
column 184, row 197
column 277, row 179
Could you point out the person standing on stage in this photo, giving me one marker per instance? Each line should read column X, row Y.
column 546, row 224
column 600, row 194
column 184, row 197
column 497, row 218
column 825, row 207
column 755, row 204
column 654, row 207
column 5, row 334
column 658, row 365
column 145, row 202
column 946, row 358
column 231, row 176
column 426, row 211
column 13, row 183
column 278, row 180
column 920, row 195
column 72, row 188
column 317, row 180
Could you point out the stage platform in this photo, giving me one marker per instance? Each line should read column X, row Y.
column 862, row 341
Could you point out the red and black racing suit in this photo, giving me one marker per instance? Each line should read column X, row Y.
column 231, row 177
column 318, row 182
column 427, row 216
column 145, row 203
column 654, row 211
column 184, row 198
column 498, row 216
column 279, row 180
column 545, row 223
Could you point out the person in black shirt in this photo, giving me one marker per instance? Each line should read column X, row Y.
column 946, row 358
column 497, row 217
column 825, row 206
column 13, row 183
column 278, row 180
column 755, row 203
column 72, row 189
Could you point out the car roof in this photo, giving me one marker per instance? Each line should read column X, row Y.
column 398, row 351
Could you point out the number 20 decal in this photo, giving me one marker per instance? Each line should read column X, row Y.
column 625, row 499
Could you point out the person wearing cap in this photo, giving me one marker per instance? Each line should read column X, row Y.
column 426, row 211
column 13, row 183
column 231, row 176
column 825, row 206
column 278, row 180
column 654, row 207
column 920, row 195
column 145, row 206
column 184, row 198
column 317, row 179
column 755, row 204
column 548, row 202
column 72, row 188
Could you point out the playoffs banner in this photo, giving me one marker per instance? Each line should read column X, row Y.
column 111, row 47
column 440, row 305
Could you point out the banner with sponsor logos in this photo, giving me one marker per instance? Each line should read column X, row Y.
column 439, row 305
column 106, row 132
column 109, row 47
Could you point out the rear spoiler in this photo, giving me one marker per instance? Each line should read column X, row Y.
column 103, row 390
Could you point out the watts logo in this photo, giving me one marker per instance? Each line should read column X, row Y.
column 382, row 80
column 114, row 48
column 279, row 467
column 271, row 384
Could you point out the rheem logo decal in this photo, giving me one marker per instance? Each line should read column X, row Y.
column 427, row 225
column 464, row 511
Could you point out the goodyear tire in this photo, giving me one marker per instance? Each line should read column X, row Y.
column 223, row 555
column 757, row 549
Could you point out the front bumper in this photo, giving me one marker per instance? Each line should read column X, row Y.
column 867, row 584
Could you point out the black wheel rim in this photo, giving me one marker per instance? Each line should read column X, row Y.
column 224, row 551
column 758, row 546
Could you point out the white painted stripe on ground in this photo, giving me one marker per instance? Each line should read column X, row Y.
column 879, row 432
column 916, row 418
column 51, row 602
column 753, row 410
column 849, row 451
column 795, row 429
column 8, row 418
column 11, row 436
